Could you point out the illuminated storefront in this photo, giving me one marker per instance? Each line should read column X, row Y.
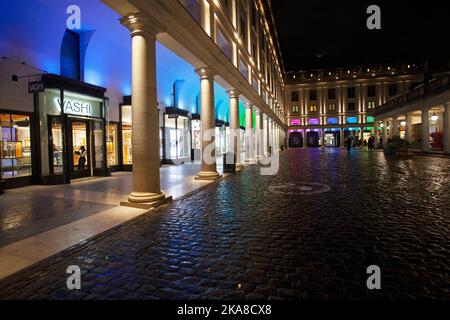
column 177, row 137
column 196, row 138
column 71, row 130
column 15, row 148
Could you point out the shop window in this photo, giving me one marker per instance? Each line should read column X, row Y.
column 111, row 145
column 370, row 119
column 126, row 135
column 295, row 122
column 15, row 146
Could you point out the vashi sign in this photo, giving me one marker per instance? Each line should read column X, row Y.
column 76, row 107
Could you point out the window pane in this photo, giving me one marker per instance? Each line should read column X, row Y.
column 111, row 145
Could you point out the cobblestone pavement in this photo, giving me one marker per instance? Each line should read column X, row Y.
column 239, row 239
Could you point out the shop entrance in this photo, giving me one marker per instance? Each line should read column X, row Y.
column 85, row 141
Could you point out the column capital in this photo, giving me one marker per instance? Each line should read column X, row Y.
column 248, row 105
column 257, row 111
column 233, row 93
column 205, row 73
column 141, row 24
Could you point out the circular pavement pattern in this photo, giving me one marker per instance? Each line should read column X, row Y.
column 304, row 188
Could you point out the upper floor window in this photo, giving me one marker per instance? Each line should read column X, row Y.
column 312, row 95
column 371, row 91
column 243, row 67
column 243, row 21
column 332, row 94
column 371, row 105
column 351, row 106
column 392, row 89
column 294, row 96
column 295, row 109
column 351, row 92
column 223, row 43
column 332, row 107
column 313, row 108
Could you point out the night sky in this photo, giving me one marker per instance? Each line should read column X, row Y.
column 319, row 34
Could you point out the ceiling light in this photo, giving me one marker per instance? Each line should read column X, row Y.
column 403, row 123
column 434, row 117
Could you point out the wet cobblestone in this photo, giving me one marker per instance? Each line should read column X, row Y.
column 238, row 240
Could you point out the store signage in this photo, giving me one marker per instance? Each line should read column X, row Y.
column 35, row 86
column 76, row 107
column 172, row 116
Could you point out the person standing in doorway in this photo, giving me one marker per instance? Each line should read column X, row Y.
column 82, row 159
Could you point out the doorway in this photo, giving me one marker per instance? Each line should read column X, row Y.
column 80, row 164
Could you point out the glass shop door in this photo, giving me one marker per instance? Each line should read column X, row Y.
column 80, row 157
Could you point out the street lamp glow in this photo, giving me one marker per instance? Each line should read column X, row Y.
column 403, row 123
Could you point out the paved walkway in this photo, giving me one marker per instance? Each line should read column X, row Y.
column 38, row 221
column 309, row 232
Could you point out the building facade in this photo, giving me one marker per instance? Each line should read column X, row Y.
column 212, row 65
column 327, row 108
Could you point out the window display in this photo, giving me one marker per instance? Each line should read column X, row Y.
column 15, row 146
column 126, row 135
column 177, row 137
column 111, row 145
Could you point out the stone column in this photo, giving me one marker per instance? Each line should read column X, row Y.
column 250, row 145
column 208, row 169
column 305, row 145
column 341, row 138
column 266, row 135
column 408, row 127
column 394, row 127
column 425, row 130
column 145, row 138
column 384, row 132
column 259, row 134
column 235, row 128
column 323, row 138
column 447, row 127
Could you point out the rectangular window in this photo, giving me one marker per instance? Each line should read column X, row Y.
column 313, row 108
column 15, row 145
column 371, row 105
column 313, row 122
column 111, row 145
column 312, row 95
column 332, row 120
column 243, row 21
column 294, row 109
column 351, row 92
column 243, row 67
column 332, row 107
column 294, row 96
column 392, row 89
column 352, row 119
column 223, row 43
column 332, row 94
column 254, row 81
column 126, row 134
column 371, row 91
column 370, row 119
column 351, row 106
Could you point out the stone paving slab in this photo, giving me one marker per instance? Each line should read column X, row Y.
column 238, row 239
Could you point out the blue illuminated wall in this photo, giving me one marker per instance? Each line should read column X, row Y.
column 33, row 30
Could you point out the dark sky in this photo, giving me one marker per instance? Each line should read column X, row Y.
column 327, row 34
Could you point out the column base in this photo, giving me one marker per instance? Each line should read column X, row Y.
column 146, row 200
column 239, row 166
column 250, row 161
column 208, row 175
